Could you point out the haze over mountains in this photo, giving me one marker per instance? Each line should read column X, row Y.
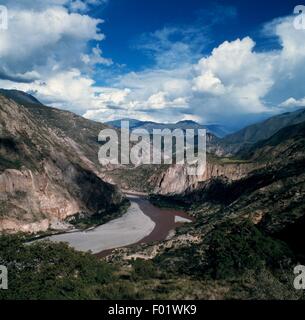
column 89, row 211
column 217, row 130
column 250, row 200
column 162, row 179
column 37, row 140
column 263, row 130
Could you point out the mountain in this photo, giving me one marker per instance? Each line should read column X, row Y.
column 217, row 130
column 249, row 231
column 223, row 141
column 261, row 131
column 248, row 211
column 133, row 123
column 279, row 147
column 66, row 124
column 20, row 97
column 48, row 170
column 247, row 156
column 271, row 195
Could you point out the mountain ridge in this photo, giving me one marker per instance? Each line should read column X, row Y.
column 217, row 130
column 262, row 130
column 45, row 175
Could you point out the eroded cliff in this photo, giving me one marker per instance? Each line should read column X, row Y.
column 44, row 175
column 176, row 180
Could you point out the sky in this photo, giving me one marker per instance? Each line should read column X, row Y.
column 227, row 62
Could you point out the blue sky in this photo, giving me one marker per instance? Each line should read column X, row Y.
column 126, row 21
column 227, row 62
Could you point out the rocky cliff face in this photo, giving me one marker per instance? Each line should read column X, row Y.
column 252, row 154
column 176, row 180
column 45, row 175
column 271, row 196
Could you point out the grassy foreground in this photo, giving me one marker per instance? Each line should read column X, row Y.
column 234, row 262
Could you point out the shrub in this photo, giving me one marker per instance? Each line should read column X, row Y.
column 46, row 270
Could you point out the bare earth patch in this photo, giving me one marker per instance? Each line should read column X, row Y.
column 121, row 232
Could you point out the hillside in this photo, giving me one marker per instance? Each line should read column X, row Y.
column 261, row 131
column 272, row 197
column 248, row 233
column 287, row 141
column 248, row 210
column 20, row 97
column 45, row 174
column 283, row 159
column 66, row 124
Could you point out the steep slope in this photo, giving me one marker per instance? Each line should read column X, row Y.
column 261, row 131
column 220, row 163
column 271, row 196
column 227, row 157
column 175, row 179
column 286, row 142
column 249, row 233
column 44, row 173
column 66, row 124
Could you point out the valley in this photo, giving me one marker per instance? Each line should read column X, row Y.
column 152, row 150
column 142, row 223
column 179, row 236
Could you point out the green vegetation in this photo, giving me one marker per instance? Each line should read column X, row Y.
column 9, row 164
column 232, row 160
column 46, row 270
column 235, row 261
column 236, row 248
column 50, row 271
column 228, row 251
column 167, row 202
column 143, row 269
column 239, row 256
column 226, row 160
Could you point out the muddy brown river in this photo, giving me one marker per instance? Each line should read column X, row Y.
column 142, row 223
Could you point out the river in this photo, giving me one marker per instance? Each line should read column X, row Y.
column 142, row 223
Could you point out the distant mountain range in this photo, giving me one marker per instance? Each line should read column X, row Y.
column 215, row 129
column 231, row 141
column 248, row 135
column 262, row 130
column 249, row 203
column 26, row 99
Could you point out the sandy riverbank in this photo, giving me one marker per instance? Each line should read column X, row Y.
column 166, row 220
column 121, row 232
column 143, row 223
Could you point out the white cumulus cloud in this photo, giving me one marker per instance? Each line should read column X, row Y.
column 39, row 42
column 46, row 51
